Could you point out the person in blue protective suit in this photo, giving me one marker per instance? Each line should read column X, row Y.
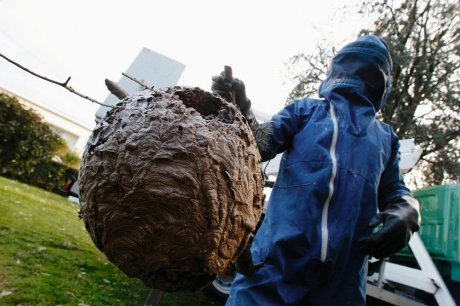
column 339, row 178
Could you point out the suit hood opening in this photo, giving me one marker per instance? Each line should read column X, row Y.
column 359, row 81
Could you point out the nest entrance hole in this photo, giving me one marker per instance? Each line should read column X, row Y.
column 208, row 105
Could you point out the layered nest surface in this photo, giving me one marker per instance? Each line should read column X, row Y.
column 171, row 187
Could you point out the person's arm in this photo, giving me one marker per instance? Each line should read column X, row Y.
column 272, row 137
column 399, row 212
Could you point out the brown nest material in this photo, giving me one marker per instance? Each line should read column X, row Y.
column 171, row 187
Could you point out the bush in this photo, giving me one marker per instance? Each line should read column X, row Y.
column 27, row 145
column 49, row 175
column 71, row 159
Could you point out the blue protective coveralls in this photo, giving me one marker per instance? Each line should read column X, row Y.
column 340, row 165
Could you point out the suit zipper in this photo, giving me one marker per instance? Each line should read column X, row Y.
column 324, row 217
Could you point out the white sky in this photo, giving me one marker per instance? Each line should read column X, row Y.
column 94, row 40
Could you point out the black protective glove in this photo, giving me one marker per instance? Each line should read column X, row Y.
column 234, row 91
column 400, row 220
column 244, row 264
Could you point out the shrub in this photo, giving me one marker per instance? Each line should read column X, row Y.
column 27, row 145
column 70, row 159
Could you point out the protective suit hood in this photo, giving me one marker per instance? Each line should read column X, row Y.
column 359, row 82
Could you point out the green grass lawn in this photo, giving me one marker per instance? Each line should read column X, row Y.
column 48, row 258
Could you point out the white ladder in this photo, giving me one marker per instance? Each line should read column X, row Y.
column 426, row 279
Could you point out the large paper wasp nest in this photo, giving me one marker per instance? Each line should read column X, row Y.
column 171, row 186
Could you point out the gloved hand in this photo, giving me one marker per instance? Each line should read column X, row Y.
column 222, row 86
column 400, row 220
column 244, row 264
column 233, row 90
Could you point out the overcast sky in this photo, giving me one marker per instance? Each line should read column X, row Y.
column 94, row 40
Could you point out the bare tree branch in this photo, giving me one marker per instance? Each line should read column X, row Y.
column 63, row 84
column 137, row 81
column 393, row 16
